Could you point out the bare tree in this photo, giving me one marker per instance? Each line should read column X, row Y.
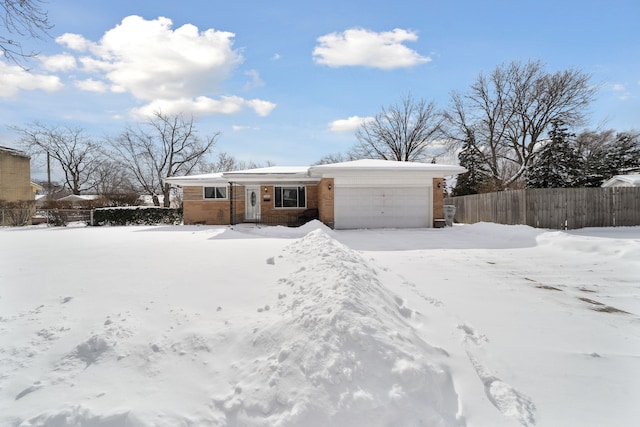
column 507, row 114
column 23, row 18
column 226, row 162
column 403, row 132
column 337, row 158
column 76, row 153
column 115, row 185
column 163, row 146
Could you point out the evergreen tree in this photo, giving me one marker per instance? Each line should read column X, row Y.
column 470, row 182
column 624, row 155
column 557, row 165
column 617, row 157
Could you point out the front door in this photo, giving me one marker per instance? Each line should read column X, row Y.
column 252, row 204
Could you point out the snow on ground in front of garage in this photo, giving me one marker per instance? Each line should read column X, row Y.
column 472, row 325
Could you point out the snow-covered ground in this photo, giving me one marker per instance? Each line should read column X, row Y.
column 474, row 325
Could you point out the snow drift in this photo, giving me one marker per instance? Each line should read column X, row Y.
column 338, row 351
column 333, row 347
column 465, row 326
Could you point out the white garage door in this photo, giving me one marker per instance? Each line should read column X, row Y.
column 380, row 207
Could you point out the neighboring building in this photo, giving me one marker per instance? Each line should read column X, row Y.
column 632, row 180
column 15, row 175
column 81, row 200
column 357, row 194
column 16, row 189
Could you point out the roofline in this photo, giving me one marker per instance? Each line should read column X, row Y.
column 14, row 152
column 624, row 178
column 312, row 174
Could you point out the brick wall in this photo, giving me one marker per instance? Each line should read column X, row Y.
column 210, row 212
column 438, row 198
column 326, row 201
column 217, row 212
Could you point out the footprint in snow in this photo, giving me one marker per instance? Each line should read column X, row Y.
column 511, row 402
column 470, row 334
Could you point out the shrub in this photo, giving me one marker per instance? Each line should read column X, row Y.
column 138, row 215
column 16, row 213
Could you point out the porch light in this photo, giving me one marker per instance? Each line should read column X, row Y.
column 329, row 186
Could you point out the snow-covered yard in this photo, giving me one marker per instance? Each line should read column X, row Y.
column 475, row 325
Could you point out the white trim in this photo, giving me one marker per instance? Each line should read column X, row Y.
column 247, row 204
column 225, row 186
column 290, row 207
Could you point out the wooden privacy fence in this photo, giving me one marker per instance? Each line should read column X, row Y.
column 556, row 208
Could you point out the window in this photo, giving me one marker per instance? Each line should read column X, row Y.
column 290, row 197
column 215, row 192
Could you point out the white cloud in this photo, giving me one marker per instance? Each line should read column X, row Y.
column 262, row 108
column 91, row 85
column 360, row 47
column 62, row 62
column 621, row 91
column 276, row 56
column 74, row 42
column 238, row 128
column 255, row 81
column 203, row 105
column 171, row 69
column 348, row 125
column 14, row 78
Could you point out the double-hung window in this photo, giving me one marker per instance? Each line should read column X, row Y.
column 215, row 192
column 290, row 197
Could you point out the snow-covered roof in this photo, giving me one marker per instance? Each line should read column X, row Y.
column 281, row 170
column 631, row 180
column 79, row 198
column 203, row 179
column 387, row 165
column 271, row 174
column 257, row 175
column 311, row 173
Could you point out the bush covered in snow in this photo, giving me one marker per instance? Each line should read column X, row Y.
column 136, row 215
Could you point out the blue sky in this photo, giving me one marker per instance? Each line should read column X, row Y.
column 286, row 81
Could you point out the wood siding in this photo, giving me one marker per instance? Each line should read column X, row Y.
column 15, row 176
column 555, row 208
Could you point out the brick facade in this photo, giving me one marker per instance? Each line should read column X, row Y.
column 325, row 201
column 320, row 196
column 197, row 210
column 438, row 198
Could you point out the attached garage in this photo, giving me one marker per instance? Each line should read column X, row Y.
column 382, row 207
column 383, row 194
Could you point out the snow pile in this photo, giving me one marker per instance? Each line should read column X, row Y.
column 280, row 231
column 339, row 352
